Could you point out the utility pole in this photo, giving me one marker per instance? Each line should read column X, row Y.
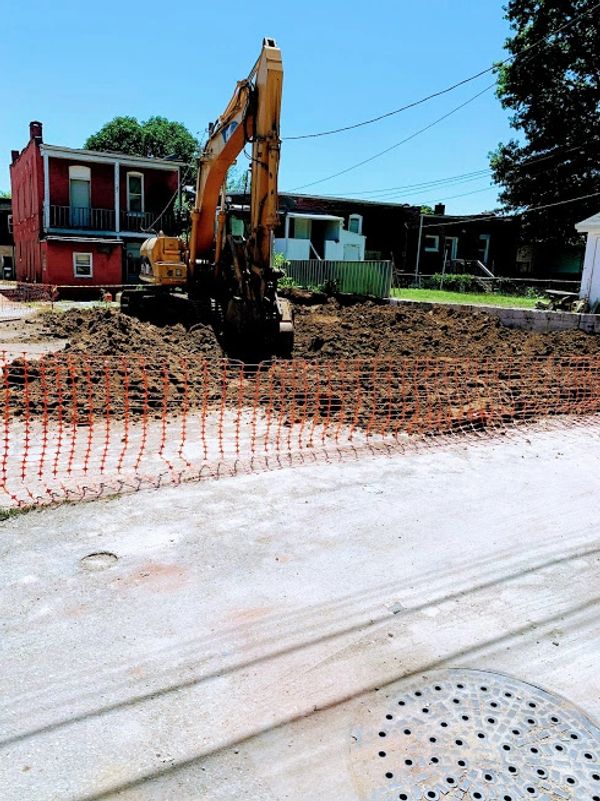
column 419, row 249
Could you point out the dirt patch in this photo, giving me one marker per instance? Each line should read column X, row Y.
column 366, row 365
column 105, row 332
column 333, row 331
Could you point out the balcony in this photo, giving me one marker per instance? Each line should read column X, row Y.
column 138, row 222
column 75, row 218
column 72, row 218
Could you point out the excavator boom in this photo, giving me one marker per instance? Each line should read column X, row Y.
column 235, row 273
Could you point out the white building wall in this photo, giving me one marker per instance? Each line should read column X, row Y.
column 293, row 249
column 334, row 251
column 353, row 246
column 590, row 280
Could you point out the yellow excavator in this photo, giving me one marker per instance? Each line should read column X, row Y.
column 230, row 273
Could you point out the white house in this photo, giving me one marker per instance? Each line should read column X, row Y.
column 321, row 236
column 590, row 280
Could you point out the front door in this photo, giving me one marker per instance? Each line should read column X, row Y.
column 132, row 263
column 451, row 247
column 79, row 197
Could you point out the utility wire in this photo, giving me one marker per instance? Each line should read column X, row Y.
column 451, row 179
column 402, row 141
column 479, row 218
column 426, row 188
column 465, row 177
column 448, row 89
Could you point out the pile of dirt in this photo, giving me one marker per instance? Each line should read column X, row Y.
column 105, row 332
column 366, row 365
column 327, row 330
column 333, row 331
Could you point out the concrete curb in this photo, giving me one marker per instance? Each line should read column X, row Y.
column 528, row 319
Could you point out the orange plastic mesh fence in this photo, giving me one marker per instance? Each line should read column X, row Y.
column 74, row 426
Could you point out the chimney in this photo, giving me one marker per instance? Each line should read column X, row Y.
column 439, row 209
column 14, row 155
column 35, row 131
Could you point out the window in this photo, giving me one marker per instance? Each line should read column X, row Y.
column 432, row 244
column 355, row 223
column 135, row 192
column 82, row 265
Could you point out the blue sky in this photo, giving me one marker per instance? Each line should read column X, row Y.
column 74, row 69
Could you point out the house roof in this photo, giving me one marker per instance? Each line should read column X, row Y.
column 311, row 216
column 590, row 224
column 58, row 151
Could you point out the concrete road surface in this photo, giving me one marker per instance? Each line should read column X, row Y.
column 220, row 640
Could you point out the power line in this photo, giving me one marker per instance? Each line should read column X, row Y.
column 402, row 142
column 464, row 177
column 428, row 187
column 448, row 89
column 452, row 179
column 471, row 219
column 462, row 194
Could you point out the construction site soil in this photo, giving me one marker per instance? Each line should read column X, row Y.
column 365, row 365
column 323, row 331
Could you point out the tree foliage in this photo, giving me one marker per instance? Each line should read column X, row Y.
column 553, row 92
column 156, row 137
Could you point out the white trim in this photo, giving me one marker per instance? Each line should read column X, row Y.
column 117, row 183
column 140, row 175
column 309, row 216
column 453, row 247
column 486, row 253
column 77, row 172
column 83, row 253
column 96, row 232
column 91, row 155
column 46, row 192
column 436, row 248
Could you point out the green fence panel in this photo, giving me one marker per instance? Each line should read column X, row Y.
column 351, row 277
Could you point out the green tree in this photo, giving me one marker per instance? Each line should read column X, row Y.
column 156, row 137
column 5, row 194
column 120, row 135
column 553, row 92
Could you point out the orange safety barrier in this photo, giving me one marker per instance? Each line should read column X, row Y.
column 77, row 426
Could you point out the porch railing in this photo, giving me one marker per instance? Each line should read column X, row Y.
column 75, row 217
column 91, row 219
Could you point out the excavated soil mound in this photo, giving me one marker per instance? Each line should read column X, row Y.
column 104, row 332
column 367, row 365
column 331, row 331
column 326, row 331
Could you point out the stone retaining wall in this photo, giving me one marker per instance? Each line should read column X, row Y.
column 528, row 319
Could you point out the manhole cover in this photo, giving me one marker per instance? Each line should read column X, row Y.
column 471, row 735
column 99, row 560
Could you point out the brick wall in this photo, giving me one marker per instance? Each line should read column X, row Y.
column 102, row 182
column 58, row 269
column 27, row 186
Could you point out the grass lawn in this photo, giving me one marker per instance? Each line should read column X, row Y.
column 479, row 299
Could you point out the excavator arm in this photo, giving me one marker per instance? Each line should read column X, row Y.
column 252, row 115
column 242, row 271
column 234, row 273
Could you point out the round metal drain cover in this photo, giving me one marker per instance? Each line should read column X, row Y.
column 471, row 735
column 99, row 560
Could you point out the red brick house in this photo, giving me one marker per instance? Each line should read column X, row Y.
column 80, row 216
